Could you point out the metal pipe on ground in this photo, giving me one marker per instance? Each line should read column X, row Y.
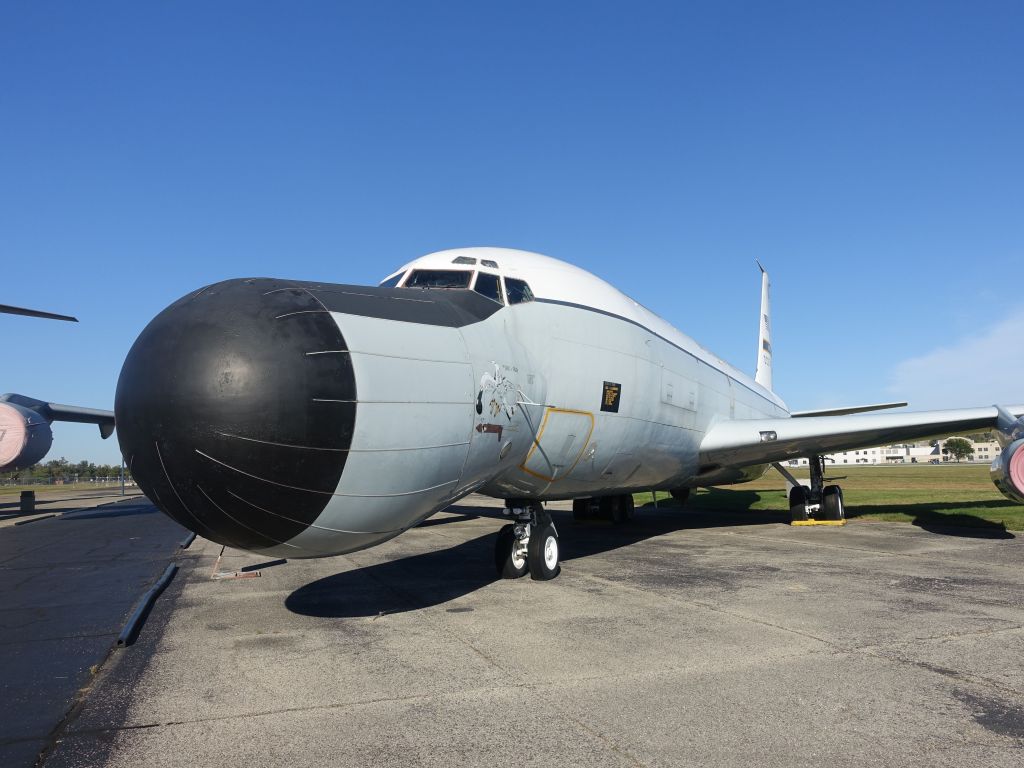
column 135, row 621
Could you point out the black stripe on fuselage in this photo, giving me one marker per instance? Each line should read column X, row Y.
column 452, row 308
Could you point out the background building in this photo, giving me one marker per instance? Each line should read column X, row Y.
column 910, row 453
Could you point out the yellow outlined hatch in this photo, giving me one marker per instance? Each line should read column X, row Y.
column 555, row 429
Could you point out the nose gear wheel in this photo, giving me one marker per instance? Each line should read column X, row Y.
column 530, row 545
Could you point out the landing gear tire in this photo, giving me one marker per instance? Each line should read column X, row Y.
column 622, row 511
column 582, row 509
column 616, row 509
column 542, row 551
column 832, row 506
column 799, row 496
column 680, row 495
column 509, row 561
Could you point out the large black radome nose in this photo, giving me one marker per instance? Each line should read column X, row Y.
column 235, row 409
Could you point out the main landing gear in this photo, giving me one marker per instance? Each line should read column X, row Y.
column 530, row 544
column 615, row 509
column 820, row 502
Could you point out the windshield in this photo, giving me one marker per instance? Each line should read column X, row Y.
column 438, row 278
column 488, row 285
column 518, row 291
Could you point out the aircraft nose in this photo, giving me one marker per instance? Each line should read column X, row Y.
column 235, row 409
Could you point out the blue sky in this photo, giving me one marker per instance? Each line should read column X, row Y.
column 870, row 154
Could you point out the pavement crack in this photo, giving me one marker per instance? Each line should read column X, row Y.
column 951, row 674
column 952, row 636
column 717, row 609
column 246, row 715
column 605, row 740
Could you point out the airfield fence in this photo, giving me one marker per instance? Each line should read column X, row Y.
column 67, row 480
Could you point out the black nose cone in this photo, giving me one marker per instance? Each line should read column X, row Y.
column 235, row 409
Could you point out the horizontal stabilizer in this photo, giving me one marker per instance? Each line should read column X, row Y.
column 846, row 411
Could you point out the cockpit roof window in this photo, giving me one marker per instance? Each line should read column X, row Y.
column 489, row 263
column 392, row 281
column 463, row 260
column 438, row 278
column 518, row 291
column 488, row 285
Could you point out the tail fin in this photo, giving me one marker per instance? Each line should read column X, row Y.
column 764, row 341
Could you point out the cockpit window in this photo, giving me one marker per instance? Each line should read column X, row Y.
column 392, row 281
column 489, row 286
column 463, row 260
column 489, row 263
column 518, row 291
column 438, row 278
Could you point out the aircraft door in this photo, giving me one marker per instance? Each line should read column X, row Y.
column 560, row 441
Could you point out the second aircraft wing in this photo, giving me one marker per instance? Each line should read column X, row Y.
column 743, row 442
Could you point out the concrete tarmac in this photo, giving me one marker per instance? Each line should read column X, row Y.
column 55, row 500
column 68, row 580
column 683, row 638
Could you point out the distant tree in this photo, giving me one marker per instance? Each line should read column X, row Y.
column 959, row 448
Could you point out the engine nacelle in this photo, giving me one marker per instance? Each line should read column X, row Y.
column 1008, row 471
column 25, row 437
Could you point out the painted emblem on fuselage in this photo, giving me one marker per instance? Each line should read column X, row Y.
column 497, row 394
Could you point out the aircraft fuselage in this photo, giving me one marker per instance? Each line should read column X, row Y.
column 302, row 419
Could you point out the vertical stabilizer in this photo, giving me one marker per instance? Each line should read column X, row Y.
column 764, row 341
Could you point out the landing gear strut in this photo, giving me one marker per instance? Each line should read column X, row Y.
column 530, row 544
column 820, row 501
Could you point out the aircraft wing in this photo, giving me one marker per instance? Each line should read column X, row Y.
column 742, row 442
column 57, row 412
column 7, row 309
column 104, row 419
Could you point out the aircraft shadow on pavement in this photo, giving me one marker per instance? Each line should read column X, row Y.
column 440, row 576
column 929, row 516
column 120, row 510
column 396, row 586
column 731, row 506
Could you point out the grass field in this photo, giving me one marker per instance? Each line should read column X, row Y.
column 958, row 495
column 11, row 490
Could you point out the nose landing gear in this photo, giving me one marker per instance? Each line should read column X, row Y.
column 528, row 545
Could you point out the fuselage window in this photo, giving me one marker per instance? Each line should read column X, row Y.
column 489, row 286
column 438, row 278
column 392, row 281
column 518, row 291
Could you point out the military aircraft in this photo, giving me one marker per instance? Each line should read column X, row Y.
column 25, row 434
column 304, row 419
